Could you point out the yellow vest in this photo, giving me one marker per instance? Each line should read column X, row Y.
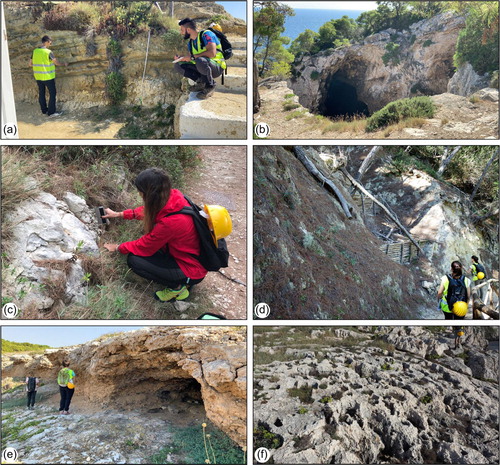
column 197, row 47
column 43, row 68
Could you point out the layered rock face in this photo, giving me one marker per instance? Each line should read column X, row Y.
column 153, row 367
column 47, row 234
column 422, row 65
column 372, row 397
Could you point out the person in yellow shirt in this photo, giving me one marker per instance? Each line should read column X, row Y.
column 44, row 64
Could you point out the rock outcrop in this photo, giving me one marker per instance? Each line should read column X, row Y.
column 153, row 367
column 422, row 65
column 46, row 236
column 400, row 395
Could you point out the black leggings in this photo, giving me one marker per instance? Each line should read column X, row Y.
column 66, row 395
column 452, row 316
column 160, row 268
column 31, row 398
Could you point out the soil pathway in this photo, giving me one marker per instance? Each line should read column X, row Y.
column 32, row 124
column 223, row 181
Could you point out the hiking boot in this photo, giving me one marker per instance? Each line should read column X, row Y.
column 169, row 295
column 207, row 92
column 54, row 115
column 198, row 86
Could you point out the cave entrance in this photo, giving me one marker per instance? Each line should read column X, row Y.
column 340, row 99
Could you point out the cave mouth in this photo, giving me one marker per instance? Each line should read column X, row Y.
column 341, row 100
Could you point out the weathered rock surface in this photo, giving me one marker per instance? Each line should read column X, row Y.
column 424, row 65
column 47, row 234
column 154, row 367
column 466, row 81
column 381, row 402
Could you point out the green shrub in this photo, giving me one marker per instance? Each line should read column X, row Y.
column 326, row 399
column 392, row 54
column 427, row 43
column 302, row 410
column 115, row 87
column 71, row 17
column 314, row 75
column 392, row 113
column 9, row 346
column 427, row 399
column 262, row 437
column 290, row 106
column 304, row 394
column 114, row 47
column 386, row 366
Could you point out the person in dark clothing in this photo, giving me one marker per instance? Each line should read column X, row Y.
column 66, row 381
column 205, row 60
column 32, row 384
column 478, row 277
column 44, row 64
column 166, row 254
column 455, row 287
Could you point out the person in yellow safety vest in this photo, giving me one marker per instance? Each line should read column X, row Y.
column 205, row 60
column 476, row 268
column 44, row 64
column 454, row 287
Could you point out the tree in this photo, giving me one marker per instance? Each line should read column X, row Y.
column 269, row 24
column 305, row 42
column 336, row 32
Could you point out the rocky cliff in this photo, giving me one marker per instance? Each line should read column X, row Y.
column 311, row 261
column 153, row 368
column 422, row 65
column 377, row 395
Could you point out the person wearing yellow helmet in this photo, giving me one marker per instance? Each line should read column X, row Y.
column 66, row 381
column 478, row 277
column 454, row 288
column 459, row 331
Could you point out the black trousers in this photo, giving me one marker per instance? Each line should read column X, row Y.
column 66, row 395
column 160, row 268
column 51, row 86
column 204, row 69
column 452, row 316
column 31, row 398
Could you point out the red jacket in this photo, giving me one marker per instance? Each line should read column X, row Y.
column 175, row 233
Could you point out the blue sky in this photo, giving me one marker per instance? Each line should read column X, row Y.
column 361, row 6
column 59, row 336
column 236, row 9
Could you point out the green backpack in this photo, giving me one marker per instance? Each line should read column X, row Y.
column 64, row 376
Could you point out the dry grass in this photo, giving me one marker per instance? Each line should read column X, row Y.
column 407, row 123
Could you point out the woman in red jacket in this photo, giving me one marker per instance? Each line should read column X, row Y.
column 167, row 252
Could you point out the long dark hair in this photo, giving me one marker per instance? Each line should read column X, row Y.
column 456, row 269
column 155, row 185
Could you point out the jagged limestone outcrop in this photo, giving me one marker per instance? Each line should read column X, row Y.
column 422, row 65
column 390, row 395
column 152, row 366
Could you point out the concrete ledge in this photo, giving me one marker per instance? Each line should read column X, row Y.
column 222, row 116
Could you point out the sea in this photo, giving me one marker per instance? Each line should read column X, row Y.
column 313, row 19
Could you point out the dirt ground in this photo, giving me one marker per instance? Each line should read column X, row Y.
column 456, row 118
column 32, row 124
column 223, row 181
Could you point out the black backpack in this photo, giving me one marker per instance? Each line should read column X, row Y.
column 31, row 384
column 212, row 257
column 480, row 269
column 227, row 48
column 457, row 290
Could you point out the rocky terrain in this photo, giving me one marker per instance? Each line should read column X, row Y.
column 311, row 261
column 132, row 390
column 376, row 395
column 466, row 103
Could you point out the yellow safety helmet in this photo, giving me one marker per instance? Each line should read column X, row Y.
column 71, row 386
column 219, row 221
column 216, row 26
column 460, row 333
column 460, row 308
column 480, row 275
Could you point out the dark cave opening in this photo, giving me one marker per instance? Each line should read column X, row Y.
column 341, row 99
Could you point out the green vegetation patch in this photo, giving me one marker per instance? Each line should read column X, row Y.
column 188, row 444
column 9, row 346
column 427, row 399
column 304, row 394
column 394, row 112
column 263, row 437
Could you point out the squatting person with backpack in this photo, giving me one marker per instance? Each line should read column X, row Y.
column 478, row 276
column 32, row 384
column 205, row 60
column 454, row 293
column 174, row 245
column 66, row 381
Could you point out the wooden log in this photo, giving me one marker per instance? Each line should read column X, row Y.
column 367, row 161
column 300, row 153
column 391, row 215
column 480, row 306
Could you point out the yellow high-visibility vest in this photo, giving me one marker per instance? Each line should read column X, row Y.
column 198, row 47
column 43, row 67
